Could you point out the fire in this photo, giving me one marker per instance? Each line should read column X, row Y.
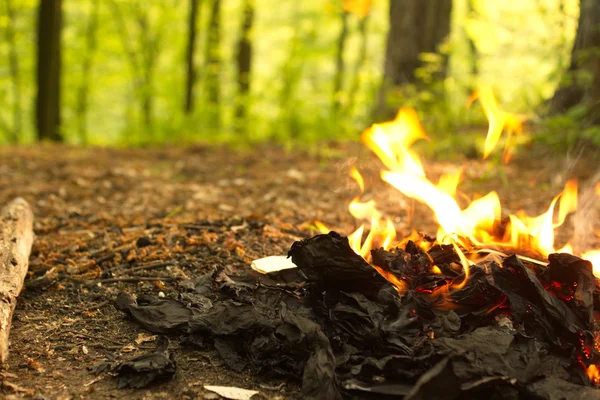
column 478, row 224
column 594, row 374
column 499, row 121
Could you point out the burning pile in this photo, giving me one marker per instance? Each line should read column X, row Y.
column 450, row 317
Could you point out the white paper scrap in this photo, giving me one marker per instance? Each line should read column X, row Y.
column 271, row 264
column 230, row 392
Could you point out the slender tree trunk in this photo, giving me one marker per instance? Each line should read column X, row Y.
column 416, row 26
column 213, row 63
column 473, row 53
column 148, row 52
column 86, row 69
column 244, row 61
column 362, row 58
column 585, row 65
column 15, row 71
column 48, row 70
column 190, row 66
column 338, row 80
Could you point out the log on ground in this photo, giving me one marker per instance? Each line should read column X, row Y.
column 16, row 239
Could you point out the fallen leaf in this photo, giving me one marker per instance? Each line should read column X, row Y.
column 231, row 392
column 272, row 263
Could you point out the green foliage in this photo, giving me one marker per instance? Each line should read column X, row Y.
column 565, row 131
column 136, row 86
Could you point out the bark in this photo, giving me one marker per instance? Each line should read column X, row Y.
column 338, row 81
column 416, row 26
column 48, row 69
column 15, row 71
column 86, row 69
column 16, row 239
column 585, row 64
column 189, row 64
column 244, row 60
column 213, row 62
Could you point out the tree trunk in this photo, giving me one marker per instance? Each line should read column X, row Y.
column 48, row 70
column 244, row 60
column 190, row 66
column 416, row 26
column 338, row 80
column 473, row 53
column 149, row 50
column 213, row 63
column 584, row 70
column 15, row 71
column 362, row 58
column 84, row 88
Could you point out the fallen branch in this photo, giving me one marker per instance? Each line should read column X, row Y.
column 16, row 239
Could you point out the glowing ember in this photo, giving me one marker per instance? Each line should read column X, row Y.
column 594, row 374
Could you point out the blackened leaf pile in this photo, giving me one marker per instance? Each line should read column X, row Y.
column 343, row 331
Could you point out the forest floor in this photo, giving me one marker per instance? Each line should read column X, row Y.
column 160, row 216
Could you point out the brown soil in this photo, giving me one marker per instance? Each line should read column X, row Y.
column 197, row 209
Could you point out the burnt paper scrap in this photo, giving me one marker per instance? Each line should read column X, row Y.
column 146, row 369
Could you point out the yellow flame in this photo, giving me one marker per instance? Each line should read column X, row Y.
column 478, row 224
column 391, row 141
column 465, row 264
column 473, row 225
column 593, row 256
column 499, row 121
column 321, row 227
column 358, row 178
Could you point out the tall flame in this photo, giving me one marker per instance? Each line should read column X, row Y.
column 469, row 227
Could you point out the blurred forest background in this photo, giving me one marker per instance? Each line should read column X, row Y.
column 131, row 72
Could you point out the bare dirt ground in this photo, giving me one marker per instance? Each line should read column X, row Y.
column 142, row 220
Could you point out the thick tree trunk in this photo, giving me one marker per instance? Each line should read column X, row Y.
column 16, row 239
column 84, row 88
column 416, row 26
column 244, row 60
column 15, row 71
column 48, row 70
column 213, row 63
column 190, row 70
column 584, row 70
